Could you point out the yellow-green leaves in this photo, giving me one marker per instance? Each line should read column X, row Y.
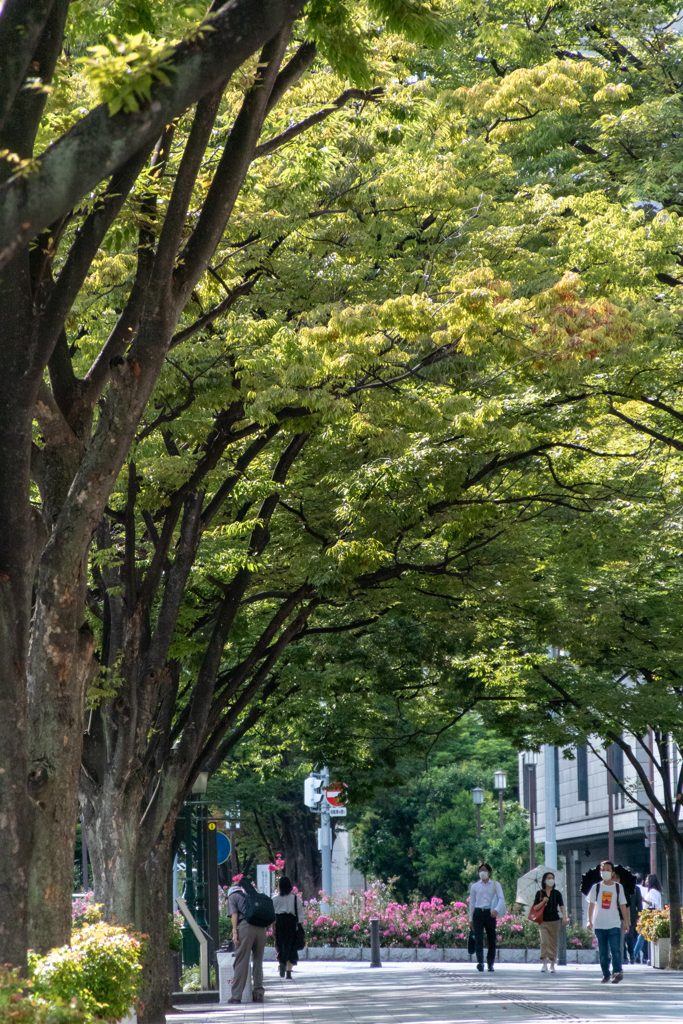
column 124, row 78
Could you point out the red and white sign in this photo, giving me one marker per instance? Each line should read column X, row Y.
column 334, row 794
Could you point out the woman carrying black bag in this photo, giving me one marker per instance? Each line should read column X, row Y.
column 289, row 918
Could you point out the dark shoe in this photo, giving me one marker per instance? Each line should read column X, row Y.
column 490, row 967
column 289, row 975
column 234, row 1000
column 282, row 970
column 480, row 967
column 617, row 977
column 257, row 998
column 605, row 979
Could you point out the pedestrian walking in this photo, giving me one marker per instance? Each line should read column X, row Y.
column 251, row 912
column 289, row 914
column 608, row 915
column 487, row 902
column 651, row 894
column 554, row 914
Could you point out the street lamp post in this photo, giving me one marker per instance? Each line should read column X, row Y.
column 500, row 782
column 478, row 799
column 530, row 761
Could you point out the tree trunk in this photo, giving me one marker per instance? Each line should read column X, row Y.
column 673, row 862
column 60, row 668
column 18, row 545
column 151, row 891
column 299, row 849
column 112, row 829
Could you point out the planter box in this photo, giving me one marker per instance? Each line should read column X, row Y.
column 407, row 954
column 661, row 953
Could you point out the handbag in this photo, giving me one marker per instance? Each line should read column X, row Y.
column 471, row 943
column 300, row 937
column 536, row 913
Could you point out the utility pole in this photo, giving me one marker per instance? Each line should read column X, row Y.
column 610, row 807
column 550, row 855
column 653, row 828
column 550, row 832
column 325, row 841
column 531, row 776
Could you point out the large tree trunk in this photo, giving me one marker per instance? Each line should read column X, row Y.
column 673, row 861
column 152, row 878
column 300, row 852
column 61, row 666
column 18, row 546
column 112, row 823
column 16, row 810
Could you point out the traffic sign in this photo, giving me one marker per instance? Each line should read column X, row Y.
column 223, row 846
column 335, row 794
column 337, row 812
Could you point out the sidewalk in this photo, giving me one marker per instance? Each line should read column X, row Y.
column 337, row 993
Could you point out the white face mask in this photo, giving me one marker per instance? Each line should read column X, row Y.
column 484, row 875
column 606, row 875
column 550, row 882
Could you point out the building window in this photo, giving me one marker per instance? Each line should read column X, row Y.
column 582, row 772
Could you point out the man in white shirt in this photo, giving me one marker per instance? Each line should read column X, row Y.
column 604, row 901
column 486, row 903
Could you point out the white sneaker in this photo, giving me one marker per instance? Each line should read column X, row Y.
column 552, row 968
column 544, row 969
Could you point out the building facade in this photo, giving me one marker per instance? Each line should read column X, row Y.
column 583, row 790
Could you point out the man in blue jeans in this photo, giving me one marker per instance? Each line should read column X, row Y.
column 604, row 901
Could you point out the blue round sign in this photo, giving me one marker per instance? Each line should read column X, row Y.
column 222, row 847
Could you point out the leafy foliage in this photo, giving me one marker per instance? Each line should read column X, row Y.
column 100, row 971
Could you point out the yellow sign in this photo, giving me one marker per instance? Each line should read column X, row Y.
column 212, row 826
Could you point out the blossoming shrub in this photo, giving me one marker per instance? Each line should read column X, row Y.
column 99, row 973
column 19, row 1004
column 655, row 924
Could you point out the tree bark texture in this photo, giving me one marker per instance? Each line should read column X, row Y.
column 673, row 870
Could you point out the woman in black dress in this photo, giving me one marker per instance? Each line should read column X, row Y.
column 553, row 912
column 289, row 913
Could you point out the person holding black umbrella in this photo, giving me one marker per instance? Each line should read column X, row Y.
column 605, row 899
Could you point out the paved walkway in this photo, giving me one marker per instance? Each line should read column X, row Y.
column 354, row 993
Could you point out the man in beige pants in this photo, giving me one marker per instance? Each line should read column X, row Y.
column 248, row 939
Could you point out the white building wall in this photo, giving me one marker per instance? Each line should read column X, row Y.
column 345, row 878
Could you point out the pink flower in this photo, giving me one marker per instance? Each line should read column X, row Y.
column 271, row 867
column 237, row 878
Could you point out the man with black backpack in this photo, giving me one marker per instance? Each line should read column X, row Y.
column 251, row 913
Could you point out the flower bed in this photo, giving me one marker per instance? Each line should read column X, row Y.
column 427, row 924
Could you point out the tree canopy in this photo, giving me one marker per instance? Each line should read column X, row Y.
column 331, row 331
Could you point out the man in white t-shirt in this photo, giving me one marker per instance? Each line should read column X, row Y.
column 604, row 901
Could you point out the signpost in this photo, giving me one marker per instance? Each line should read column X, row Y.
column 320, row 796
column 223, row 847
column 263, row 879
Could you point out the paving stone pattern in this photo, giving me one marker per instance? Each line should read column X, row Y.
column 416, row 993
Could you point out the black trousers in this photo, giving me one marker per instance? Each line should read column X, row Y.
column 483, row 921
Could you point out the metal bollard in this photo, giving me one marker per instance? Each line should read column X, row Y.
column 562, row 944
column 374, row 943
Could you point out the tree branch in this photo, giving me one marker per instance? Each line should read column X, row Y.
column 101, row 143
column 266, row 148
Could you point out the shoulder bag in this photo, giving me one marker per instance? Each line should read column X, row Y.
column 300, row 933
column 536, row 913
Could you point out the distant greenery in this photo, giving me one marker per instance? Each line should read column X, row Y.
column 425, row 831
